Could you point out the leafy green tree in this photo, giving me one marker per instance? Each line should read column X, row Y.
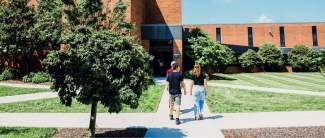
column 102, row 64
column 230, row 58
column 49, row 25
column 17, row 21
column 302, row 58
column 203, row 50
column 249, row 60
column 272, row 58
column 321, row 62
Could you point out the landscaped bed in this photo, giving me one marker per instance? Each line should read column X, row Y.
column 297, row 81
column 148, row 103
column 287, row 132
column 31, row 132
column 228, row 100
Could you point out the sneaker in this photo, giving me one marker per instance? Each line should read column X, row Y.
column 177, row 121
column 171, row 117
column 201, row 116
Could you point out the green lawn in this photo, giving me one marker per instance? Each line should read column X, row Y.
column 297, row 81
column 28, row 132
column 228, row 100
column 9, row 91
column 148, row 103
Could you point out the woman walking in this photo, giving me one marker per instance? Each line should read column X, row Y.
column 199, row 88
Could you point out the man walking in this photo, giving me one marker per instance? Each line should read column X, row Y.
column 174, row 82
column 167, row 73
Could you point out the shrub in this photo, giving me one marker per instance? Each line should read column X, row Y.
column 28, row 77
column 41, row 77
column 271, row 56
column 249, row 60
column 187, row 74
column 229, row 59
column 302, row 58
column 9, row 74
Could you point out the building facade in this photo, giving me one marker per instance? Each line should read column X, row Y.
column 160, row 31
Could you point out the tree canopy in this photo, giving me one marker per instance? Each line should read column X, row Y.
column 205, row 51
column 102, row 64
column 272, row 58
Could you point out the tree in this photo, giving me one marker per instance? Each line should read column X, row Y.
column 49, row 25
column 17, row 21
column 302, row 58
column 230, row 58
column 203, row 50
column 272, row 58
column 320, row 61
column 249, row 60
column 102, row 64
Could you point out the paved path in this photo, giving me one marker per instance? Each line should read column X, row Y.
column 189, row 127
column 27, row 97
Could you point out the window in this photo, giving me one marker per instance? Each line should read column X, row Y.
column 314, row 35
column 250, row 36
column 218, row 35
column 282, row 38
column 187, row 32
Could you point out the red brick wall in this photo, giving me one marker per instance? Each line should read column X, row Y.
column 137, row 16
column 178, row 49
column 163, row 11
column 146, row 45
column 294, row 33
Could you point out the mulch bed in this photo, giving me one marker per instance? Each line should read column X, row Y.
column 100, row 132
column 287, row 132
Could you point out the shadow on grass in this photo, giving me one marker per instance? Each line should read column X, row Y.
column 218, row 77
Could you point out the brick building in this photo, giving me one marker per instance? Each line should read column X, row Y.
column 160, row 30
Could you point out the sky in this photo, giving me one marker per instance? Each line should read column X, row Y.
column 252, row 11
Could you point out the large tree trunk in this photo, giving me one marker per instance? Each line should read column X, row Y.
column 92, row 123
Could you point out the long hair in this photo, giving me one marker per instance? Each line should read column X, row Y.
column 196, row 70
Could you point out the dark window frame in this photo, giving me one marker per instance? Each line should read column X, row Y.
column 218, row 35
column 282, row 36
column 161, row 42
column 250, row 36
column 187, row 32
column 314, row 35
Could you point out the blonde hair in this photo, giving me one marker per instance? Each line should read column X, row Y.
column 196, row 70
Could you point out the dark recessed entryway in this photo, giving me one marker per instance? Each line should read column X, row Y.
column 162, row 50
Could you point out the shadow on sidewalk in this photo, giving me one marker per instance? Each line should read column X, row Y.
column 164, row 132
column 186, row 120
column 184, row 111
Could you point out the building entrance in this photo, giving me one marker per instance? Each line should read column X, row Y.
column 162, row 50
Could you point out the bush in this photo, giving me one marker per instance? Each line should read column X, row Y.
column 249, row 60
column 187, row 74
column 229, row 59
column 28, row 77
column 271, row 56
column 41, row 77
column 302, row 58
column 9, row 74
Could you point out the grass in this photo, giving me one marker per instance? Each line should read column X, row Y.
column 148, row 103
column 297, row 81
column 26, row 132
column 9, row 91
column 228, row 100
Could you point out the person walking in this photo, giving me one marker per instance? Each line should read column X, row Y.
column 174, row 83
column 199, row 89
column 167, row 73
